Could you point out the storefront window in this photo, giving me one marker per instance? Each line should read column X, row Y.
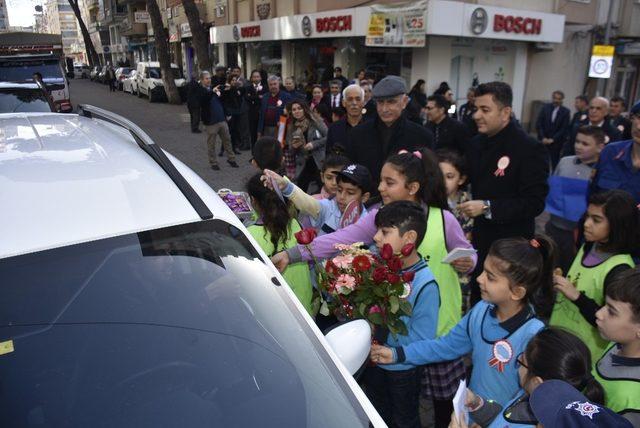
column 382, row 62
column 313, row 61
column 269, row 54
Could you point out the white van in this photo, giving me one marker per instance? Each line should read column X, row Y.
column 149, row 81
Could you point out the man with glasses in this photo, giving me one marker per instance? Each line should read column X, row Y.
column 619, row 163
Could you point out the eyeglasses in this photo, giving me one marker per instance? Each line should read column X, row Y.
column 519, row 361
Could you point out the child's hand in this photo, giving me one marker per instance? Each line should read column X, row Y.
column 462, row 265
column 472, row 401
column 455, row 423
column 280, row 260
column 381, row 354
column 268, row 175
column 564, row 286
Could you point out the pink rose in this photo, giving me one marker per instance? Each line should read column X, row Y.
column 375, row 309
column 343, row 261
column 345, row 281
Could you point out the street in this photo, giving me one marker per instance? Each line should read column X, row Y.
column 168, row 125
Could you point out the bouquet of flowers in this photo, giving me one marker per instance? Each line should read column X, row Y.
column 360, row 284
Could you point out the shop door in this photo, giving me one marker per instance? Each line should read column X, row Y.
column 461, row 77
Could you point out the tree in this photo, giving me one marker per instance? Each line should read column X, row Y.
column 162, row 49
column 92, row 55
column 199, row 34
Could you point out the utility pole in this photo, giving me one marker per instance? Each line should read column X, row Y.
column 607, row 36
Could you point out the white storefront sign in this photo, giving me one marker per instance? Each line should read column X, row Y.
column 601, row 61
column 185, row 30
column 141, row 17
column 400, row 26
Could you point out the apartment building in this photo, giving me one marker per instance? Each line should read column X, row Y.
column 58, row 18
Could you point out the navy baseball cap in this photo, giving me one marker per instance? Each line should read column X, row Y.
column 556, row 404
column 635, row 110
column 359, row 174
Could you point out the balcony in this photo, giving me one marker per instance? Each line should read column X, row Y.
column 94, row 26
column 130, row 28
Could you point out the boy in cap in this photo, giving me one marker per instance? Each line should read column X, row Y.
column 371, row 142
column 328, row 215
column 556, row 404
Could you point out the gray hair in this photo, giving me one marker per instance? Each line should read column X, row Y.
column 353, row 86
column 273, row 78
column 203, row 74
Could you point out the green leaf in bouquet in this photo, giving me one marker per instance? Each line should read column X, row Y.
column 394, row 304
column 324, row 308
column 405, row 307
column 376, row 318
column 362, row 308
column 379, row 291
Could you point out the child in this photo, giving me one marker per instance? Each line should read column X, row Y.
column 394, row 389
column 550, row 354
column 611, row 235
column 568, row 192
column 267, row 154
column 453, row 169
column 274, row 230
column 332, row 165
column 619, row 368
column 498, row 327
column 326, row 215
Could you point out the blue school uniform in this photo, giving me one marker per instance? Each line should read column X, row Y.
column 328, row 220
column 423, row 322
column 494, row 347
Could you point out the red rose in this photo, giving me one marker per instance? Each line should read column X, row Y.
column 393, row 278
column 408, row 249
column 305, row 236
column 387, row 252
column 331, row 268
column 379, row 274
column 361, row 263
column 394, row 264
column 408, row 276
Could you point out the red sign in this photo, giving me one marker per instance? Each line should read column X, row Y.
column 252, row 31
column 333, row 23
column 517, row 24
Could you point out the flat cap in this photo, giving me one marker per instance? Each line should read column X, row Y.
column 388, row 87
column 635, row 110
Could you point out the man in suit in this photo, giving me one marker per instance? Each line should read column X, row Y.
column 508, row 172
column 447, row 133
column 552, row 126
column 617, row 119
column 371, row 142
column 337, row 75
column 466, row 111
column 334, row 98
column 254, row 93
column 598, row 115
column 271, row 108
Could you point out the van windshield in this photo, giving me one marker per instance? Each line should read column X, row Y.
column 179, row 326
column 23, row 70
column 156, row 73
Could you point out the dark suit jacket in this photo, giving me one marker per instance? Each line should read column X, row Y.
column 612, row 133
column 338, row 137
column 327, row 100
column 516, row 197
column 366, row 148
column 450, row 134
column 559, row 129
column 623, row 125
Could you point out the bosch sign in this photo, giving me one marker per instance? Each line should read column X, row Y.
column 333, row 23
column 516, row 24
column 252, row 31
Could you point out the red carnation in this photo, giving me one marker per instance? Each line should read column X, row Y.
column 331, row 268
column 305, row 236
column 361, row 263
column 408, row 249
column 394, row 264
column 379, row 274
column 408, row 276
column 387, row 252
column 393, row 278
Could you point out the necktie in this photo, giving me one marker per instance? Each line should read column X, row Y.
column 554, row 114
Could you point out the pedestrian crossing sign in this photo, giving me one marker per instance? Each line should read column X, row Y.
column 601, row 61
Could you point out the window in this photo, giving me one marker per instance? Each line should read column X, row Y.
column 23, row 100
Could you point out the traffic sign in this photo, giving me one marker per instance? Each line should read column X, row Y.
column 601, row 61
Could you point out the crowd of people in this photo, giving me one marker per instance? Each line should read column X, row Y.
column 525, row 311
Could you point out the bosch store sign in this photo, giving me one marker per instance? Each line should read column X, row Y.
column 333, row 23
column 251, row 31
column 516, row 24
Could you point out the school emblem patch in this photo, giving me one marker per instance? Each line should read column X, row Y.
column 502, row 353
column 585, row 409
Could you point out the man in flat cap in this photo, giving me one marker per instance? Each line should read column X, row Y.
column 372, row 142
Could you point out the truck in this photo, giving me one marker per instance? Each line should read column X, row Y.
column 24, row 57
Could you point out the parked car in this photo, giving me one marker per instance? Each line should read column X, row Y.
column 81, row 71
column 129, row 84
column 25, row 97
column 149, row 81
column 121, row 73
column 133, row 296
column 93, row 75
column 102, row 75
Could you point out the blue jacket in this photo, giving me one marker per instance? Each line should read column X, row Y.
column 494, row 347
column 423, row 322
column 282, row 96
column 212, row 109
column 615, row 170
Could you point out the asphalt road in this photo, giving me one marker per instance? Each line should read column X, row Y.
column 168, row 125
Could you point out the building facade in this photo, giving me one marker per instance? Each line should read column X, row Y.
column 4, row 16
column 58, row 18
